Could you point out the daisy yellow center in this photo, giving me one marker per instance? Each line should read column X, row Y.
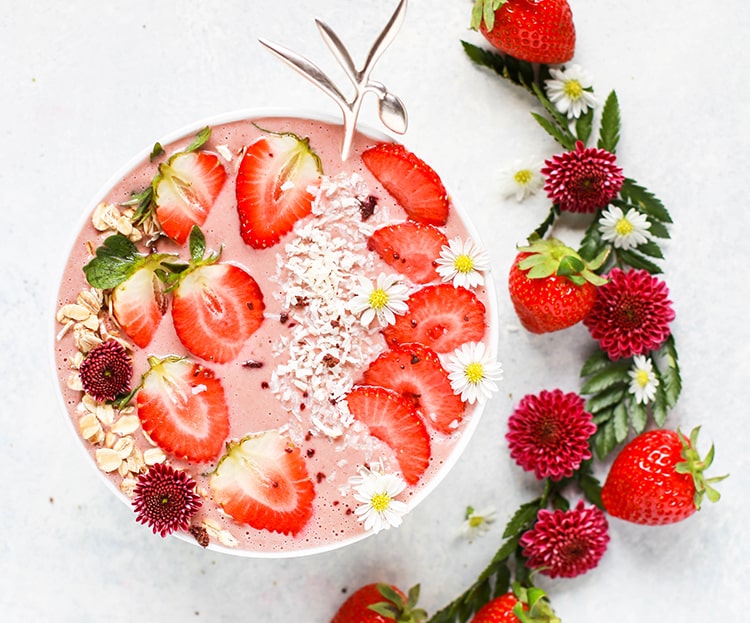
column 380, row 502
column 522, row 177
column 463, row 263
column 378, row 298
column 474, row 372
column 573, row 89
column 624, row 227
column 475, row 521
column 642, row 378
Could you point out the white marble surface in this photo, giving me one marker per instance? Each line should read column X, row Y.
column 86, row 85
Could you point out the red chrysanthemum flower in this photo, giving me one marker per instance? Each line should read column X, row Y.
column 631, row 314
column 106, row 371
column 549, row 433
column 568, row 543
column 583, row 180
column 165, row 499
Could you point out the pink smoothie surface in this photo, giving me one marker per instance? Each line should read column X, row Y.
column 277, row 381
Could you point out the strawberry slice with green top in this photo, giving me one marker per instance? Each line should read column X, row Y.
column 441, row 317
column 393, row 419
column 415, row 186
column 216, row 307
column 262, row 481
column 182, row 408
column 415, row 372
column 184, row 190
column 138, row 285
column 410, row 248
column 273, row 187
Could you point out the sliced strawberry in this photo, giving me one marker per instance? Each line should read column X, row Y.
column 416, row 187
column 215, row 309
column 415, row 372
column 262, row 481
column 182, row 408
column 441, row 317
column 273, row 187
column 185, row 191
column 393, row 419
column 410, row 248
column 139, row 303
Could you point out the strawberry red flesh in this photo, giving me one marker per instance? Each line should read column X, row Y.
column 262, row 481
column 415, row 372
column 440, row 317
column 415, row 186
column 410, row 248
column 139, row 303
column 215, row 309
column 272, row 189
column 185, row 191
column 182, row 408
column 392, row 418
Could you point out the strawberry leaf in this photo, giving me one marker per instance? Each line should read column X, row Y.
column 200, row 140
column 609, row 130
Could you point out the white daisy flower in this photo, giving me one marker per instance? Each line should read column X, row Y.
column 569, row 90
column 477, row 522
column 473, row 372
column 643, row 381
column 383, row 299
column 463, row 262
column 624, row 230
column 523, row 179
column 377, row 492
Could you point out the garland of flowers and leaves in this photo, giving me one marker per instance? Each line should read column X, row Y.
column 607, row 383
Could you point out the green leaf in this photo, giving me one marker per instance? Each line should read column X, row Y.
column 651, row 249
column 614, row 373
column 592, row 244
column 554, row 131
column 607, row 398
column 636, row 260
column 644, row 200
column 197, row 244
column 609, row 130
column 522, row 518
column 604, row 440
column 584, row 125
column 156, row 152
column 638, row 415
column 657, row 228
column 544, row 226
column 518, row 72
column 596, row 362
column 200, row 139
column 671, row 379
column 113, row 263
column 620, row 422
column 603, row 416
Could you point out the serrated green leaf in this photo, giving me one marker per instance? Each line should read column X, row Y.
column 544, row 226
column 584, row 126
column 521, row 518
column 638, row 415
column 620, row 422
column 604, row 440
column 597, row 361
column 554, row 131
column 614, row 373
column 657, row 229
column 659, row 408
column 591, row 243
column 603, row 416
column 607, row 398
column 518, row 72
column 636, row 260
column 644, row 200
column 651, row 249
column 670, row 375
column 609, row 129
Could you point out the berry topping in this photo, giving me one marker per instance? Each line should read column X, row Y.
column 415, row 186
column 410, row 248
column 441, row 317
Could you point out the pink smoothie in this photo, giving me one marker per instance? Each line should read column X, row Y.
column 279, row 380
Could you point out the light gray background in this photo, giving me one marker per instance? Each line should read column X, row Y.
column 86, row 85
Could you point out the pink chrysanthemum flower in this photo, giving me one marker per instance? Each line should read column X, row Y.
column 564, row 544
column 106, row 371
column 583, row 180
column 165, row 499
column 549, row 433
column 631, row 314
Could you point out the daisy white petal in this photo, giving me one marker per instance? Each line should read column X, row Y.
column 377, row 491
column 477, row 522
column 462, row 262
column 570, row 90
column 473, row 372
column 624, row 230
column 522, row 180
column 383, row 300
column 643, row 380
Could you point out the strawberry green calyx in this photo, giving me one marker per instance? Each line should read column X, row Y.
column 396, row 608
column 533, row 605
column 549, row 257
column 695, row 466
column 484, row 11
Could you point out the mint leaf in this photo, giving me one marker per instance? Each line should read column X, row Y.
column 113, row 263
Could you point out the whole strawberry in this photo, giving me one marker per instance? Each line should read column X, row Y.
column 658, row 479
column 551, row 286
column 537, row 31
column 525, row 605
column 380, row 603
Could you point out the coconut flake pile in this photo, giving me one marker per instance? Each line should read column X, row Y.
column 317, row 271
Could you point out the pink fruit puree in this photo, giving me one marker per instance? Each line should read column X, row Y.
column 295, row 399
